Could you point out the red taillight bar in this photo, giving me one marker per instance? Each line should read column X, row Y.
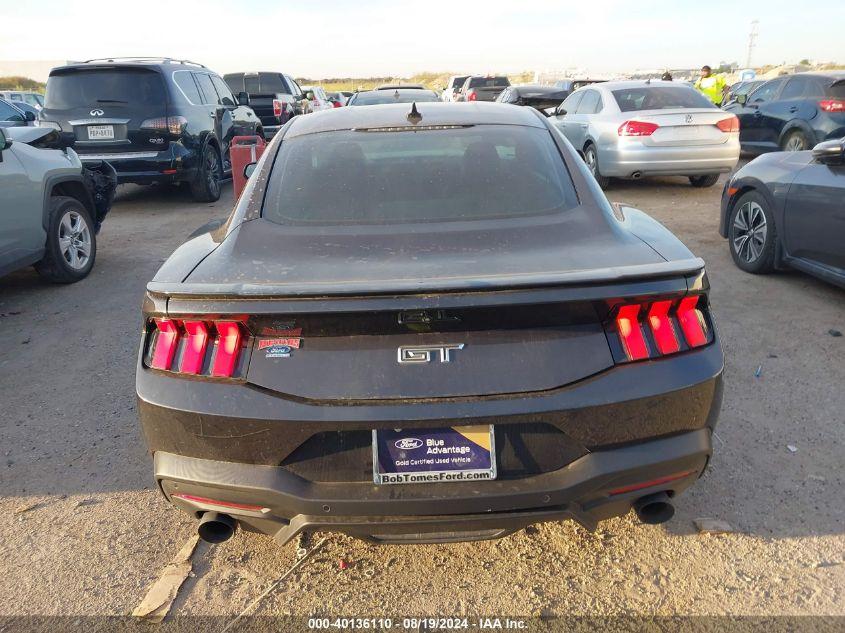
column 662, row 328
column 637, row 128
column 164, row 344
column 628, row 326
column 731, row 124
column 691, row 321
column 832, row 105
column 228, row 347
column 196, row 339
column 277, row 108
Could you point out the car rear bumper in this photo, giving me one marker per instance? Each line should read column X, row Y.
column 175, row 164
column 588, row 490
column 310, row 463
column 625, row 160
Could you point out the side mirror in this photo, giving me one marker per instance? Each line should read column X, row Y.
column 559, row 111
column 742, row 99
column 243, row 98
column 830, row 152
column 249, row 169
column 29, row 115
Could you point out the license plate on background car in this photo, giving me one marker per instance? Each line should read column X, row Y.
column 436, row 455
column 100, row 132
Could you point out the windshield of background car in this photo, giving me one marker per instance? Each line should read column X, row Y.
column 457, row 82
column 489, row 82
column 86, row 88
column 387, row 177
column 377, row 97
column 659, row 98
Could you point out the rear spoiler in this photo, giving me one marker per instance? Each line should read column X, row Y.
column 491, row 283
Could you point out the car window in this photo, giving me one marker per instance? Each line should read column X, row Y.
column 294, row 87
column 766, row 92
column 377, row 97
column 659, row 98
column 8, row 113
column 16, row 96
column 88, row 87
column 33, row 99
column 815, row 88
column 794, row 88
column 570, row 104
column 590, row 103
column 457, row 82
column 837, row 90
column 355, row 177
column 188, row 86
column 225, row 96
column 209, row 94
column 488, row 82
column 273, row 82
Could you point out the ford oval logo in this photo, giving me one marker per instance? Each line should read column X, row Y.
column 97, row 112
column 408, row 443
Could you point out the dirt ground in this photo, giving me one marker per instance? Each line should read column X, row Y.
column 83, row 531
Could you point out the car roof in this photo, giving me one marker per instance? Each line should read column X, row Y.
column 396, row 115
column 123, row 62
column 631, row 83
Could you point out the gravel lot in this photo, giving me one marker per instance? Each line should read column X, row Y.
column 83, row 532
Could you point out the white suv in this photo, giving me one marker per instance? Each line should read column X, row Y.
column 452, row 86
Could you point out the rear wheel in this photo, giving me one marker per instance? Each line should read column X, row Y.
column 704, row 181
column 795, row 141
column 71, row 244
column 752, row 235
column 591, row 157
column 206, row 186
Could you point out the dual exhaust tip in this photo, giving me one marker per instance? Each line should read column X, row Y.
column 654, row 509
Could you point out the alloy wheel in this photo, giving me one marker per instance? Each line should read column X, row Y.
column 75, row 240
column 590, row 159
column 212, row 171
column 749, row 232
column 795, row 143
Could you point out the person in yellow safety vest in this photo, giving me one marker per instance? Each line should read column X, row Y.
column 711, row 86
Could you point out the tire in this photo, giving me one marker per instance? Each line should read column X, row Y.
column 795, row 141
column 752, row 219
column 71, row 242
column 206, row 186
column 591, row 157
column 704, row 181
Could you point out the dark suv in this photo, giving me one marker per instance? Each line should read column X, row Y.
column 792, row 113
column 154, row 120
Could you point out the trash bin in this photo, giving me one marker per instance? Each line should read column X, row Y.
column 243, row 151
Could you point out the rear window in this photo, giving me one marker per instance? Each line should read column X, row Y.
column 263, row 83
column 87, row 88
column 380, row 177
column 660, row 98
column 378, row 97
column 489, row 82
column 837, row 90
column 457, row 82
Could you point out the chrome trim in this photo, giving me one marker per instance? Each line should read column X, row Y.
column 117, row 156
column 99, row 122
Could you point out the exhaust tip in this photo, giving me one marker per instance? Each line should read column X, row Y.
column 215, row 527
column 637, row 175
column 654, row 509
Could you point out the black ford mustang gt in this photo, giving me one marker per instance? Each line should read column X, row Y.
column 426, row 324
column 787, row 210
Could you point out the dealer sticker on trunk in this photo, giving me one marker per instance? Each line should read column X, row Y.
column 436, row 455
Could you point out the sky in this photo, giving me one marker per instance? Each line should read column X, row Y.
column 336, row 38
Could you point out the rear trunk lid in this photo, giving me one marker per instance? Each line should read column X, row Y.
column 684, row 126
column 105, row 106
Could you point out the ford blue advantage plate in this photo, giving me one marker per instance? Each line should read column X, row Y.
column 412, row 456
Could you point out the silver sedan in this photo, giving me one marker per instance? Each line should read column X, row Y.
column 631, row 129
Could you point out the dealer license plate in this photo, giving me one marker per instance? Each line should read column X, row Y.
column 100, row 132
column 436, row 455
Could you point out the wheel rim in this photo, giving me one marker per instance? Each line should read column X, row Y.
column 794, row 143
column 749, row 232
column 212, row 171
column 75, row 240
column 590, row 159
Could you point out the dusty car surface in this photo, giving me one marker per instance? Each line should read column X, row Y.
column 51, row 207
column 426, row 324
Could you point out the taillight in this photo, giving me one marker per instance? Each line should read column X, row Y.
column 832, row 105
column 637, row 128
column 278, row 108
column 197, row 347
column 471, row 96
column 731, row 124
column 171, row 124
column 658, row 328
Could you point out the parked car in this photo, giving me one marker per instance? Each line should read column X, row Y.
column 453, row 86
column 51, row 206
column 540, row 97
column 741, row 88
column 571, row 85
column 274, row 97
column 631, row 129
column 337, row 99
column 792, row 113
column 477, row 88
column 316, row 99
column 153, row 119
column 14, row 114
column 377, row 97
column 357, row 323
column 786, row 210
column 34, row 99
